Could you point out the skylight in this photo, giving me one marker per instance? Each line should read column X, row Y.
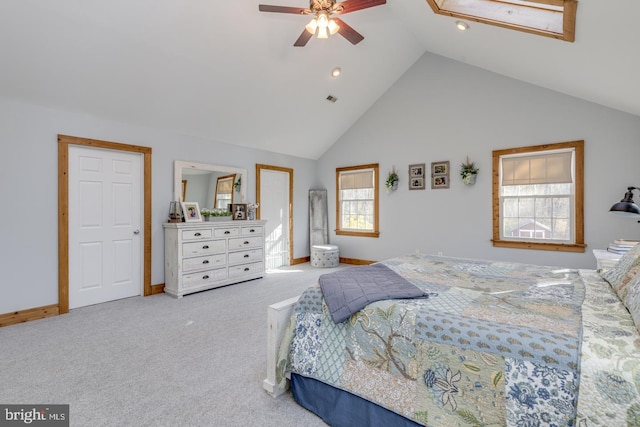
column 550, row 18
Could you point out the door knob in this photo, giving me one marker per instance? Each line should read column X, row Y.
column 136, row 232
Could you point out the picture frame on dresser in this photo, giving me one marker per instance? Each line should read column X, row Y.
column 191, row 212
column 239, row 211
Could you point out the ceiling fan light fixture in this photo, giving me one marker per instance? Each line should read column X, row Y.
column 322, row 10
column 312, row 26
column 322, row 19
column 323, row 33
column 333, row 27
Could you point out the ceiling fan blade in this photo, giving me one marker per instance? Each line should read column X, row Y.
column 282, row 9
column 353, row 5
column 348, row 32
column 303, row 39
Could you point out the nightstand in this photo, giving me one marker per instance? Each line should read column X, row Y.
column 605, row 260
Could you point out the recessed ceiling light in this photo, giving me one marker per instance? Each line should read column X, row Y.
column 336, row 72
column 462, row 26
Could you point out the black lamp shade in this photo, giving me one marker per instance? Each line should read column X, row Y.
column 625, row 209
column 626, row 206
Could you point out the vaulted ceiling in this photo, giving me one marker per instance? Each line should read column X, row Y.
column 225, row 72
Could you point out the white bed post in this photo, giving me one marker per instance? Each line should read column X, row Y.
column 278, row 315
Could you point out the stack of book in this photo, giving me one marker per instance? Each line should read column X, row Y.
column 622, row 246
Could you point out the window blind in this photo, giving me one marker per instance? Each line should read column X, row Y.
column 356, row 180
column 225, row 185
column 546, row 168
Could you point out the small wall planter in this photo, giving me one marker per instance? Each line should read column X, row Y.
column 469, row 179
column 468, row 172
column 392, row 180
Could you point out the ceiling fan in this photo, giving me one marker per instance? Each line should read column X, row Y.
column 323, row 23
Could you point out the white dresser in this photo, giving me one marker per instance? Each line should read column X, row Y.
column 205, row 255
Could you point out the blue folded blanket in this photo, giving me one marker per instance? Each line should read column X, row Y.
column 349, row 290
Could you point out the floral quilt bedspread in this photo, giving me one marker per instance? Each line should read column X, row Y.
column 496, row 344
column 610, row 370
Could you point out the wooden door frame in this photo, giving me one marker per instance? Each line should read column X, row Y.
column 63, row 211
column 259, row 168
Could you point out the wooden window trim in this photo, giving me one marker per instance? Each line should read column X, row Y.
column 222, row 178
column 578, row 219
column 533, row 21
column 376, row 195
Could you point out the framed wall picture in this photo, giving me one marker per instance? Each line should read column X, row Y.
column 191, row 212
column 440, row 174
column 416, row 176
column 239, row 211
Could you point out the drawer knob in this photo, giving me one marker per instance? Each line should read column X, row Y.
column 227, row 232
column 197, row 234
column 205, row 247
column 246, row 242
column 246, row 255
column 206, row 261
column 205, row 277
column 252, row 231
column 247, row 269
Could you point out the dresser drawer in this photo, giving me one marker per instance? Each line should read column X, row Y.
column 245, row 256
column 196, row 234
column 203, row 277
column 251, row 231
column 203, row 248
column 246, row 242
column 203, row 262
column 226, row 232
column 246, row 269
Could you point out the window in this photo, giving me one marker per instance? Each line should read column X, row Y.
column 538, row 197
column 357, row 200
column 550, row 18
column 224, row 191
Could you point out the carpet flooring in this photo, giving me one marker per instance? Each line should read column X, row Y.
column 158, row 361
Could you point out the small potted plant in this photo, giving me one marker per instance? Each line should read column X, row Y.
column 206, row 213
column 220, row 215
column 468, row 172
column 215, row 214
column 392, row 180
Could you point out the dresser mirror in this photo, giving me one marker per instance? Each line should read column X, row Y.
column 197, row 182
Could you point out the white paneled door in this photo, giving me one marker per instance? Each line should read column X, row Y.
column 105, row 225
column 274, row 207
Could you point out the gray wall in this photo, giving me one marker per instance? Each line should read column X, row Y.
column 28, row 183
column 445, row 110
column 439, row 110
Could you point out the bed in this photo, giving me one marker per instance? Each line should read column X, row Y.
column 488, row 343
